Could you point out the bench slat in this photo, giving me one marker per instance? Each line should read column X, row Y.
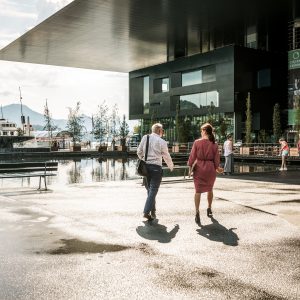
column 28, row 164
column 20, row 175
column 28, row 169
column 14, row 170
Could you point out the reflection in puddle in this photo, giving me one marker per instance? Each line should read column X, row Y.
column 90, row 170
column 95, row 170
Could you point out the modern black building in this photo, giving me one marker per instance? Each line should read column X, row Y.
column 189, row 61
column 209, row 75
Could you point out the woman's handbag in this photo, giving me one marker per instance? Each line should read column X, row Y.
column 141, row 167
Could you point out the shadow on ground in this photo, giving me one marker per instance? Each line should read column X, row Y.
column 155, row 231
column 287, row 177
column 218, row 233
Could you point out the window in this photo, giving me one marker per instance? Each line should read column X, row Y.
column 165, row 82
column 263, row 78
column 203, row 75
column 190, row 78
column 199, row 100
column 146, row 95
column 251, row 37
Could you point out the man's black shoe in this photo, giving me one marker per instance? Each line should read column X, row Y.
column 153, row 214
column 148, row 217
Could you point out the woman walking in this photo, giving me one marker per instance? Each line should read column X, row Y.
column 204, row 162
column 284, row 154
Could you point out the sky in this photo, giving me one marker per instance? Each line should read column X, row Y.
column 62, row 87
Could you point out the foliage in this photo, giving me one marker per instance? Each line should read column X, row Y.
column 222, row 129
column 185, row 128
column 262, row 136
column 114, row 121
column 248, row 124
column 75, row 123
column 124, row 130
column 276, row 122
column 100, row 128
column 49, row 126
column 137, row 129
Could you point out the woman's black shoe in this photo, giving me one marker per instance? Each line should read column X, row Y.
column 209, row 212
column 197, row 218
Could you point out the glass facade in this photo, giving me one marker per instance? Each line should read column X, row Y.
column 223, row 124
column 165, row 82
column 199, row 100
column 203, row 75
column 263, row 78
column 146, row 94
column 191, row 78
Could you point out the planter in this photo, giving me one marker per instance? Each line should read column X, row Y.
column 294, row 152
column 102, row 149
column 175, row 148
column 122, row 148
column 76, row 148
column 246, row 150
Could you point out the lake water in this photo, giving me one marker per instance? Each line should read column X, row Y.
column 89, row 170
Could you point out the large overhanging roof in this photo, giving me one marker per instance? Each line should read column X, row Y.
column 122, row 35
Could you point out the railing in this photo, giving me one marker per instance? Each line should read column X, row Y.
column 254, row 149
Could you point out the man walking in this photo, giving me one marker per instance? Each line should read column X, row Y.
column 228, row 154
column 157, row 150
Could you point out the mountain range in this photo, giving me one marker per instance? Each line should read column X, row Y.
column 12, row 112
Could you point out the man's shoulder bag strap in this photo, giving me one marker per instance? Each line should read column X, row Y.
column 147, row 147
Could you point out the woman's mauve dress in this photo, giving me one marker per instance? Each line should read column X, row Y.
column 208, row 160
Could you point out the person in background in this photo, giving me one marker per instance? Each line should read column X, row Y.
column 158, row 149
column 284, row 150
column 298, row 145
column 228, row 154
column 204, row 159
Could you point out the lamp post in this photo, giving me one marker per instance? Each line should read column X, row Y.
column 22, row 116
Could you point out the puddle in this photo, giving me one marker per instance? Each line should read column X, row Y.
column 76, row 246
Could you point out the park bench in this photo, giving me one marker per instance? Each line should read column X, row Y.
column 29, row 169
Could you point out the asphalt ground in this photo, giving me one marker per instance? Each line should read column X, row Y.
column 89, row 241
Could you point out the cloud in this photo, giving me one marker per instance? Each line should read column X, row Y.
column 45, row 8
column 15, row 9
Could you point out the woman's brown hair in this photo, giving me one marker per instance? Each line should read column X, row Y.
column 209, row 131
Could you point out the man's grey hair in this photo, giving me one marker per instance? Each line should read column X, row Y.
column 156, row 127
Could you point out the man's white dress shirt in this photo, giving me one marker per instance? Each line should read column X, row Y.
column 158, row 149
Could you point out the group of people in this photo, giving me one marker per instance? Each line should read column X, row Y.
column 203, row 162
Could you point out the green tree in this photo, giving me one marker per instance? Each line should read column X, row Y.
column 100, row 128
column 262, row 136
column 49, row 126
column 137, row 129
column 114, row 121
column 75, row 123
column 276, row 122
column 185, row 129
column 124, row 130
column 248, row 120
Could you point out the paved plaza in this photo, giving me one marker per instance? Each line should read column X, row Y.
column 89, row 241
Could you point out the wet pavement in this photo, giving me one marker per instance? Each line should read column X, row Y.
column 89, row 241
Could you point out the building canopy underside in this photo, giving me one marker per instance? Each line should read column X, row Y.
column 126, row 35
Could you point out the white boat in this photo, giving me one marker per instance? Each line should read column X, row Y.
column 8, row 128
column 10, row 134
